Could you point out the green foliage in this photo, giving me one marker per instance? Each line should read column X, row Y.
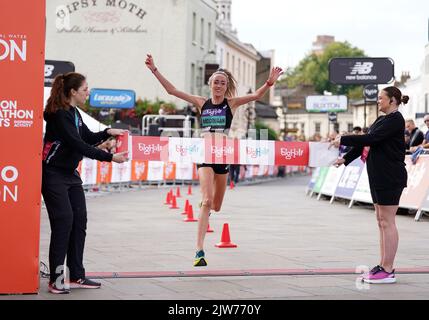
column 272, row 135
column 313, row 70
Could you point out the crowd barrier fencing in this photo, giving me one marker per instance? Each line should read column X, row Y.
column 351, row 183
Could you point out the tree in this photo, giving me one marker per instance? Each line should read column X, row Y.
column 313, row 70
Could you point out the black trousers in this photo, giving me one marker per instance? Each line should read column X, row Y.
column 234, row 172
column 65, row 202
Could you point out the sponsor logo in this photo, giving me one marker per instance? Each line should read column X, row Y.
column 187, row 150
column 291, row 153
column 257, row 152
column 221, row 151
column 361, row 71
column 107, row 99
column 149, row 148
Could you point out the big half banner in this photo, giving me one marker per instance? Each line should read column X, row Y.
column 22, row 45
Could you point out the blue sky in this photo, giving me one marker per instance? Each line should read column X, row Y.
column 397, row 28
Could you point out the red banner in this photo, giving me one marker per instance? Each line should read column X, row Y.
column 22, row 46
column 291, row 153
column 150, row 148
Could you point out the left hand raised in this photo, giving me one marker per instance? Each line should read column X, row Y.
column 275, row 74
column 116, row 132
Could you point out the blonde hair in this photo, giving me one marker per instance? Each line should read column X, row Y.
column 231, row 89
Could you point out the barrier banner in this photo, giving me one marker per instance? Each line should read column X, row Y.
column 320, row 179
column 121, row 172
column 291, row 153
column 221, row 150
column 139, row 170
column 257, row 152
column 331, row 180
column 362, row 192
column 169, row 171
column 22, row 61
column 418, row 183
column 349, row 179
column 186, row 150
column 150, row 148
column 184, row 171
column 155, row 171
column 313, row 179
column 104, row 172
column 425, row 204
column 88, row 172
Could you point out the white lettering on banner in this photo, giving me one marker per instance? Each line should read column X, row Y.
column 257, row 152
column 8, row 175
column 222, row 151
column 291, row 153
column 20, row 117
column 11, row 47
column 149, row 148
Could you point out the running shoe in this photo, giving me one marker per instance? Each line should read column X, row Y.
column 200, row 260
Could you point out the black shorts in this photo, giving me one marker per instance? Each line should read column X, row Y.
column 386, row 197
column 217, row 168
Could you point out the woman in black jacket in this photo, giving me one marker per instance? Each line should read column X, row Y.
column 67, row 139
column 384, row 149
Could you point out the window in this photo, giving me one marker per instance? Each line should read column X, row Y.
column 233, row 64
column 194, row 27
column 209, row 41
column 244, row 72
column 202, row 33
column 192, row 78
column 227, row 60
column 221, row 57
column 200, row 80
column 239, row 69
column 349, row 127
column 426, row 102
column 317, row 127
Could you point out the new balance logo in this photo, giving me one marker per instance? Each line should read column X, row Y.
column 362, row 68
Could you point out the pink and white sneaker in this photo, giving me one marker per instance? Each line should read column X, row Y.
column 379, row 275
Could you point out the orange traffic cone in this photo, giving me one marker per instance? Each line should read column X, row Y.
column 190, row 190
column 231, row 185
column 225, row 241
column 208, row 228
column 190, row 217
column 186, row 207
column 168, row 198
column 178, row 192
column 174, row 203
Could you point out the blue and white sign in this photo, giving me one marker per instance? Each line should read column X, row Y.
column 109, row 98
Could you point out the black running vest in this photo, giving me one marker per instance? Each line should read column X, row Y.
column 215, row 117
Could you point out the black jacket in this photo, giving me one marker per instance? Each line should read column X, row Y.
column 67, row 140
column 385, row 162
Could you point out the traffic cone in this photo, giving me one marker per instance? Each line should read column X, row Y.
column 225, row 241
column 174, row 203
column 186, row 207
column 168, row 198
column 190, row 190
column 190, row 217
column 208, row 228
column 231, row 185
column 178, row 192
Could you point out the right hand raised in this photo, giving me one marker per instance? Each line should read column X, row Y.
column 149, row 62
column 120, row 157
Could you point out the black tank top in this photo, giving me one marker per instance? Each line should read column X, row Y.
column 215, row 117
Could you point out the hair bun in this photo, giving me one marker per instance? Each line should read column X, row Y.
column 405, row 99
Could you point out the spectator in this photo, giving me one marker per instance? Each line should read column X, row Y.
column 416, row 136
column 357, row 130
column 425, row 143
